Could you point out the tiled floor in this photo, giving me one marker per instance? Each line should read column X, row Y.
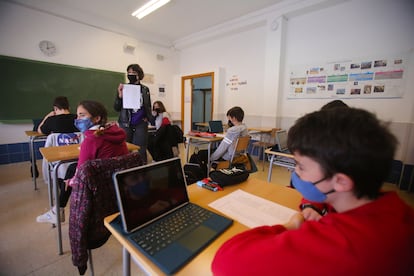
column 30, row 248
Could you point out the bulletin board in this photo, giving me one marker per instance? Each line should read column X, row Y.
column 28, row 87
column 366, row 78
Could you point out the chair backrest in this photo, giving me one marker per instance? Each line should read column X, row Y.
column 242, row 143
column 215, row 126
column 92, row 199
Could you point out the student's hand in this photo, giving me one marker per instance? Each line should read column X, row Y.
column 311, row 214
column 50, row 114
column 120, row 87
column 295, row 222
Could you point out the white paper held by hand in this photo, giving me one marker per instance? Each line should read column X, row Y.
column 131, row 96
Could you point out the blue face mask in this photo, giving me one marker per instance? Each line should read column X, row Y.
column 83, row 124
column 308, row 189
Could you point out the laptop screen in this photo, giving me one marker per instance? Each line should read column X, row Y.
column 215, row 126
column 147, row 192
column 282, row 140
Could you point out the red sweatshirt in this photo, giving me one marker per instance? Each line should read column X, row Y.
column 110, row 144
column 374, row 239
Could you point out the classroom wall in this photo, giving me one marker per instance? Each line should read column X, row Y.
column 252, row 55
column 264, row 55
column 21, row 29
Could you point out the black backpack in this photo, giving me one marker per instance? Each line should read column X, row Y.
column 196, row 169
column 193, row 173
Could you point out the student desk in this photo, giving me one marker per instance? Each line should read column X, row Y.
column 61, row 155
column 277, row 158
column 197, row 140
column 33, row 136
column 201, row 264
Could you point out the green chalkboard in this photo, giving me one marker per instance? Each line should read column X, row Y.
column 29, row 87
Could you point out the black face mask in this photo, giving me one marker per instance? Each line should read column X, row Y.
column 132, row 78
column 157, row 110
column 230, row 123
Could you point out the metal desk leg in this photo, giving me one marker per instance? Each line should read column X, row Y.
column 126, row 262
column 33, row 157
column 187, row 150
column 57, row 204
column 50, row 185
column 269, row 174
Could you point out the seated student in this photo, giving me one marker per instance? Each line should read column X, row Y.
column 342, row 159
column 314, row 210
column 101, row 140
column 60, row 120
column 236, row 129
column 162, row 144
column 160, row 114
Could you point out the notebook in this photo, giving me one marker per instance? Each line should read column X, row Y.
column 215, row 126
column 281, row 139
column 155, row 194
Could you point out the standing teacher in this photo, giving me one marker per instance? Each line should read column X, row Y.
column 135, row 121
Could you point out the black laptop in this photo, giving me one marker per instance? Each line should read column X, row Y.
column 215, row 126
column 158, row 218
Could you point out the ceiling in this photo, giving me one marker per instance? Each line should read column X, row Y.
column 174, row 21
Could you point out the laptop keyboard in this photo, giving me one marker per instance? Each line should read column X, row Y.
column 161, row 233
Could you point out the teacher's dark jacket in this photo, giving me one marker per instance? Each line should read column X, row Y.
column 125, row 113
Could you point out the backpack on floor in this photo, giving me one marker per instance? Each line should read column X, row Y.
column 193, row 173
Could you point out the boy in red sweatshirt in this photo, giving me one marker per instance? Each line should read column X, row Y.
column 342, row 159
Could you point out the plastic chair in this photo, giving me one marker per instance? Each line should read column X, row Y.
column 265, row 143
column 239, row 154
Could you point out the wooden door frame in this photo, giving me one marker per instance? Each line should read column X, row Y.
column 191, row 77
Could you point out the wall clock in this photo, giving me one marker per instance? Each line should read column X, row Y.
column 47, row 47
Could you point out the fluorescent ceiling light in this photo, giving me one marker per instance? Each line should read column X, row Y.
column 149, row 8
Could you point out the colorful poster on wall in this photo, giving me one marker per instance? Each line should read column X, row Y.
column 363, row 78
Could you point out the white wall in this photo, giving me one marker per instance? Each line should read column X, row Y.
column 21, row 29
column 344, row 30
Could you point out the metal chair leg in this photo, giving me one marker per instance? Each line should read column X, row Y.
column 90, row 262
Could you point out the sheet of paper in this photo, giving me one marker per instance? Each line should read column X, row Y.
column 252, row 210
column 131, row 96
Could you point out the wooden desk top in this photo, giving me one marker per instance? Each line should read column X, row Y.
column 32, row 133
column 201, row 264
column 289, row 155
column 262, row 129
column 69, row 152
column 205, row 139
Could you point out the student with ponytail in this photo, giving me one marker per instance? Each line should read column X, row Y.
column 101, row 140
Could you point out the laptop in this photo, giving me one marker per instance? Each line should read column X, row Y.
column 215, row 126
column 152, row 200
column 281, row 139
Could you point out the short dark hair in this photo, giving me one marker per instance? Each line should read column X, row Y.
column 161, row 105
column 61, row 102
column 350, row 141
column 334, row 104
column 136, row 68
column 96, row 109
column 236, row 112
